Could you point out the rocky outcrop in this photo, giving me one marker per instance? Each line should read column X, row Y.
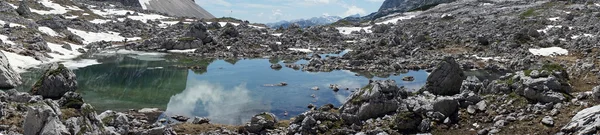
column 313, row 122
column 180, row 8
column 44, row 119
column 391, row 6
column 545, row 88
column 8, row 77
column 260, row 122
column 376, row 99
column 57, row 81
column 584, row 122
column 446, row 79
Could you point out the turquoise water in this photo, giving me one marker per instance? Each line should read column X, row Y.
column 226, row 91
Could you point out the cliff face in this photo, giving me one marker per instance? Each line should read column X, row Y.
column 407, row 5
column 186, row 8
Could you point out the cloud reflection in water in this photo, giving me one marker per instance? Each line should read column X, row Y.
column 221, row 105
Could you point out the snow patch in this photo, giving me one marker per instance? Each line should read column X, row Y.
column 488, row 58
column 61, row 54
column 550, row 51
column 111, row 12
column 2, row 23
column 71, row 17
column 90, row 37
column 56, row 8
column 554, row 18
column 349, row 30
column 5, row 40
column 145, row 17
column 407, row 15
column 182, row 51
column 583, row 35
column 80, row 63
column 301, row 50
column 143, row 3
column 99, row 21
column 20, row 63
column 278, row 43
column 48, row 31
column 277, row 34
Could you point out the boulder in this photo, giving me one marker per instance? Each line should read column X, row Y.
column 596, row 93
column 71, row 100
column 472, row 83
column 584, row 122
column 376, row 99
column 307, row 122
column 200, row 120
column 261, row 122
column 446, row 79
column 548, row 121
column 407, row 121
column 229, row 31
column 44, row 119
column 57, row 81
column 276, row 66
column 23, row 9
column 199, row 31
column 8, row 77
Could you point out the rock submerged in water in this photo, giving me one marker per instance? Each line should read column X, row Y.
column 57, row 81
column 446, row 79
column 8, row 77
column 408, row 78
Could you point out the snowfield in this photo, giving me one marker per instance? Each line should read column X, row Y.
column 407, row 15
column 56, row 8
column 90, row 37
column 550, row 51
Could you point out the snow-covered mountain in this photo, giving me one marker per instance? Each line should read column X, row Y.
column 322, row 20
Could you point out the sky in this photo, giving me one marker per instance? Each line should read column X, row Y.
column 267, row 11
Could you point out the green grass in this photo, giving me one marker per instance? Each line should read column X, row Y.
column 553, row 67
column 530, row 12
column 519, row 101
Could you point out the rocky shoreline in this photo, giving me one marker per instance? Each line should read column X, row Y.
column 548, row 49
column 538, row 99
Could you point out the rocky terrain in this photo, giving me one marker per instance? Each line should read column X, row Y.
column 548, row 50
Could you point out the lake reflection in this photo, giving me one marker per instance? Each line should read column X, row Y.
column 226, row 91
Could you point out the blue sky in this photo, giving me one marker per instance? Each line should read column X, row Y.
column 266, row 11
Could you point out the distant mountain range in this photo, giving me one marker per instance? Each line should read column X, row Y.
column 322, row 20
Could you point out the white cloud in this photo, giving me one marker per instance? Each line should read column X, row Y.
column 352, row 10
column 213, row 2
column 260, row 14
column 375, row 0
column 276, row 14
